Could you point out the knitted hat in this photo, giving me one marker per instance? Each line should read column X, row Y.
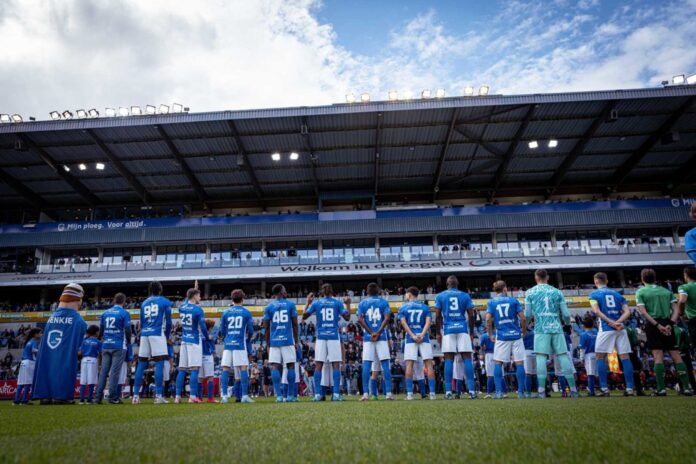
column 72, row 292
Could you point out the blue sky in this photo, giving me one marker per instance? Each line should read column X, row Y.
column 233, row 54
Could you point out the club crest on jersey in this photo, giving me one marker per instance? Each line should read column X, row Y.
column 54, row 338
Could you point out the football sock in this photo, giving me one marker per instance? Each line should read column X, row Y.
column 245, row 383
column 387, row 376
column 224, row 382
column 521, row 378
column 541, row 372
column 683, row 377
column 603, row 373
column 660, row 376
column 409, row 386
column 490, row 385
column 139, row 372
column 159, row 378
column 469, row 373
column 180, row 378
column 366, row 372
column 193, row 384
column 498, row 378
column 628, row 372
column 291, row 383
column 275, row 376
column 449, row 366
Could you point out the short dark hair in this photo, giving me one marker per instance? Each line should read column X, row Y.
column 278, row 289
column 191, row 292
column 541, row 274
column 602, row 277
column 690, row 271
column 238, row 295
column 372, row 289
column 588, row 322
column 412, row 290
column 452, row 282
column 648, row 276
column 155, row 288
column 32, row 333
column 326, row 290
column 499, row 286
column 119, row 298
column 93, row 330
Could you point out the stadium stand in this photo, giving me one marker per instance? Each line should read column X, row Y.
column 400, row 193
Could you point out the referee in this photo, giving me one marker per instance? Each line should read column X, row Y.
column 657, row 306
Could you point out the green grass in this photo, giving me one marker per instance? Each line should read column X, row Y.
column 554, row 430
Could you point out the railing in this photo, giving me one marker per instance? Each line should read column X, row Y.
column 347, row 259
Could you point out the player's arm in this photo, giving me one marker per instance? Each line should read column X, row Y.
column 625, row 314
column 128, row 332
column 681, row 302
column 168, row 319
column 644, row 312
column 489, row 324
column 426, row 327
column 267, row 326
column 345, row 310
column 675, row 311
column 438, row 319
column 528, row 315
column 565, row 314
column 523, row 322
column 385, row 320
column 362, row 323
column 471, row 318
column 598, row 312
column 408, row 330
column 295, row 332
column 309, row 307
column 223, row 327
column 202, row 327
column 101, row 325
column 250, row 326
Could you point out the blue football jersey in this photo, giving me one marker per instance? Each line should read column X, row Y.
column 588, row 338
column 90, row 348
column 374, row 309
column 193, row 328
column 281, row 313
column 487, row 344
column 690, row 244
column 328, row 311
column 156, row 316
column 610, row 303
column 237, row 328
column 114, row 322
column 505, row 310
column 30, row 350
column 453, row 305
column 416, row 315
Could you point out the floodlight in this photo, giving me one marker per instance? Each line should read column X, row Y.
column 468, row 90
column 365, row 97
column 408, row 95
column 440, row 93
column 553, row 143
column 483, row 90
column 177, row 108
column 150, row 109
column 164, row 109
column 393, row 95
column 123, row 111
column 425, row 93
column 533, row 144
column 691, row 79
column 294, row 156
column 66, row 168
column 136, row 111
column 679, row 80
column 99, row 166
column 350, row 98
column 82, row 114
column 110, row 112
column 275, row 156
column 82, row 167
column 17, row 118
column 55, row 115
column 67, row 115
column 93, row 113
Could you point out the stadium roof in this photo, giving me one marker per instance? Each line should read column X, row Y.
column 420, row 150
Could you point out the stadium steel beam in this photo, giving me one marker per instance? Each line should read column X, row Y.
column 25, row 192
column 634, row 160
column 120, row 167
column 510, row 152
column 181, row 161
column 247, row 166
column 378, row 143
column 312, row 157
column 579, row 147
column 90, row 198
column 443, row 153
column 474, row 139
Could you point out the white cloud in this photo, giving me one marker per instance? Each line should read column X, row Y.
column 65, row 54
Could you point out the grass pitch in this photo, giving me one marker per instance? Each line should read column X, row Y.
column 543, row 431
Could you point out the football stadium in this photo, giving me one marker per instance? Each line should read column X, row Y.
column 450, row 276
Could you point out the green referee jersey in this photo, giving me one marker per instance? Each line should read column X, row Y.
column 689, row 289
column 657, row 301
